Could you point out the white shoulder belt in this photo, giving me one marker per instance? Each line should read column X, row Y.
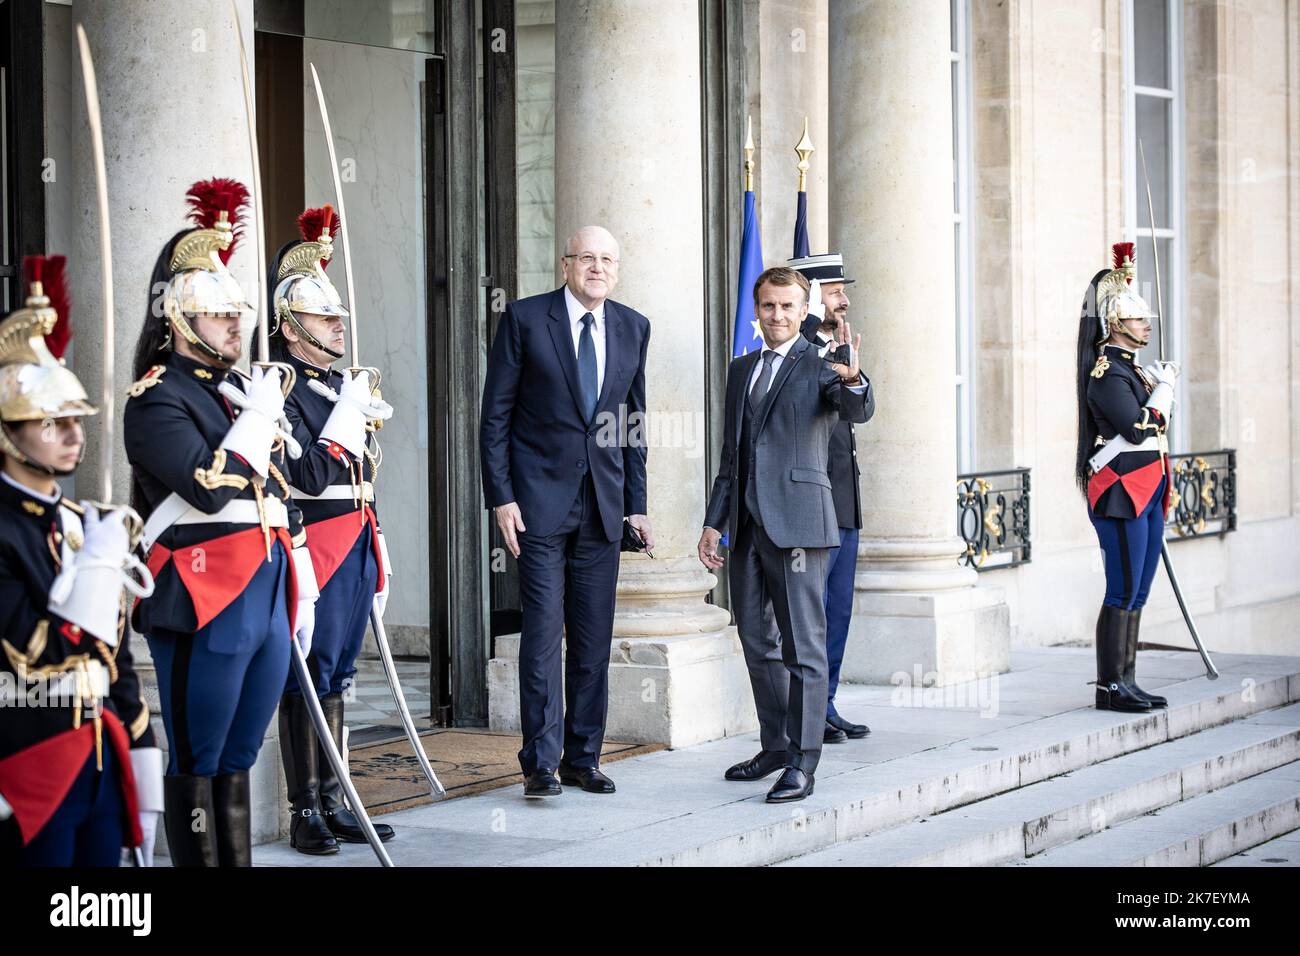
column 1117, row 446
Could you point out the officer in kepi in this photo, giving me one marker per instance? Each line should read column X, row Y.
column 234, row 582
column 334, row 416
column 828, row 307
column 80, row 774
column 1122, row 467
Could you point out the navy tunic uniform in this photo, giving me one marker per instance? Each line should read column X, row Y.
column 65, row 765
column 337, row 498
column 1122, row 459
column 1129, row 497
column 333, row 482
column 218, row 622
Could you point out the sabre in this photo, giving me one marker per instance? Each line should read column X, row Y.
column 1211, row 671
column 106, row 418
column 259, row 226
column 376, row 620
column 390, row 671
column 343, row 216
column 298, row 659
column 1155, row 254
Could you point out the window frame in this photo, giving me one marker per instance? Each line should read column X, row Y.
column 1175, row 269
column 964, row 377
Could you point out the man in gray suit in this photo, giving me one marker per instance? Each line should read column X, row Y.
column 773, row 495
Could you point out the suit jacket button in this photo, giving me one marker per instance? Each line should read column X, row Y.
column 582, row 463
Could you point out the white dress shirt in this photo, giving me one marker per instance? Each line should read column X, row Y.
column 576, row 311
column 781, row 352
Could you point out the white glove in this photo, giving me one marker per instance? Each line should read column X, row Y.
column 88, row 589
column 815, row 304
column 6, row 811
column 147, row 763
column 308, row 592
column 261, row 408
column 381, row 598
column 1163, row 373
column 354, row 406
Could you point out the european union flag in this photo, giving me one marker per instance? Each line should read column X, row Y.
column 745, row 336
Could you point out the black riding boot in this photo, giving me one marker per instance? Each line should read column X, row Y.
column 1130, row 660
column 307, row 830
column 234, row 819
column 190, row 820
column 1112, row 692
column 342, row 821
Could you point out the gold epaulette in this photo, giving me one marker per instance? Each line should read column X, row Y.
column 147, row 381
column 1103, row 364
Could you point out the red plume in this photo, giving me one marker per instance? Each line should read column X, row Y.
column 208, row 198
column 49, row 271
column 1121, row 251
column 312, row 223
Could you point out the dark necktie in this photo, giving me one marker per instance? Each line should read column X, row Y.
column 764, row 380
column 587, row 366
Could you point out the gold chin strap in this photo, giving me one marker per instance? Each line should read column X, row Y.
column 285, row 314
column 176, row 319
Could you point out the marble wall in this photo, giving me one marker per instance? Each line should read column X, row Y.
column 786, row 65
column 535, row 145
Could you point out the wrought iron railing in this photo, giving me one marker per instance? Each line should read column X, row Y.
column 1203, row 501
column 993, row 518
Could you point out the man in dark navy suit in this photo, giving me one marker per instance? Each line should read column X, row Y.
column 561, row 471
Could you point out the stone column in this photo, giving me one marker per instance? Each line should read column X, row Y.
column 891, row 215
column 173, row 112
column 788, row 83
column 627, row 156
column 172, row 104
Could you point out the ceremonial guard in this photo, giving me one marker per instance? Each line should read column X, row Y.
column 827, row 310
column 333, row 415
column 234, row 582
column 1122, row 467
column 80, row 774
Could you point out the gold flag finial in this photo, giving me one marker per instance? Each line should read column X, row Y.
column 749, row 154
column 804, row 149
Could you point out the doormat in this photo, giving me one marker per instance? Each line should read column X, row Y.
column 388, row 777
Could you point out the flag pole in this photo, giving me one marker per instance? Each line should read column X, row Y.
column 749, row 154
column 804, row 149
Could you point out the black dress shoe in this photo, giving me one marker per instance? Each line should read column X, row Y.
column 833, row 734
column 542, row 783
column 757, row 767
column 793, row 784
column 851, row 730
column 588, row 778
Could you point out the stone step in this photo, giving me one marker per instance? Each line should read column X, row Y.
column 1032, row 819
column 849, row 805
column 1281, row 851
column 1197, row 832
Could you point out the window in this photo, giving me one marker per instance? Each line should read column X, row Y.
column 1153, row 125
column 961, row 153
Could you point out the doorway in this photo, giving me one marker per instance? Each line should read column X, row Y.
column 399, row 84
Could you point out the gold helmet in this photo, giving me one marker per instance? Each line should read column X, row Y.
column 199, row 281
column 299, row 275
column 1116, row 299
column 35, row 385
